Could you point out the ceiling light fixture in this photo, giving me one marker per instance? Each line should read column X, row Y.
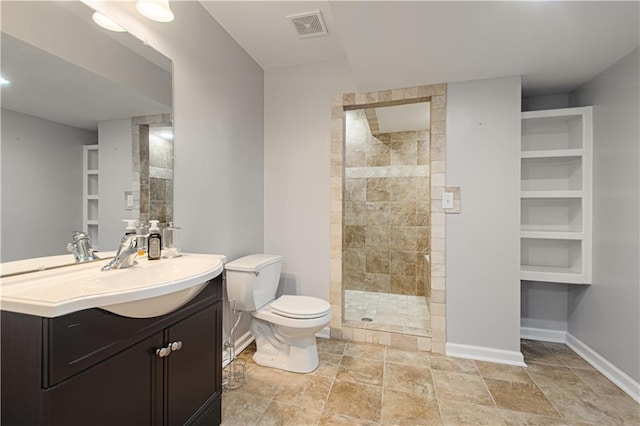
column 106, row 23
column 157, row 10
column 4, row 81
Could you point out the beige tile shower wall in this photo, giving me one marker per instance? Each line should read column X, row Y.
column 386, row 208
column 437, row 95
column 152, row 171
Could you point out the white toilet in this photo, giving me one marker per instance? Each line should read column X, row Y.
column 285, row 328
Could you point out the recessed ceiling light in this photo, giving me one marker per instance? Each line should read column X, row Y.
column 157, row 10
column 4, row 81
column 107, row 23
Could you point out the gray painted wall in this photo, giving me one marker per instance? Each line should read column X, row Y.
column 41, row 185
column 544, row 305
column 606, row 315
column 114, row 139
column 483, row 242
column 297, row 170
column 218, row 129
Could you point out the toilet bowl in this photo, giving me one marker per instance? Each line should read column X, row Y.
column 284, row 328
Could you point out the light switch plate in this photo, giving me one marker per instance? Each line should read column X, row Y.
column 447, row 200
column 128, row 200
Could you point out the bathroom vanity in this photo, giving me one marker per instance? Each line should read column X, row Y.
column 92, row 366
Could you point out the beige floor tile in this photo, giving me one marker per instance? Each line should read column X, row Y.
column 408, row 357
column 623, row 407
column 458, row 365
column 515, row 418
column 281, row 414
column 461, row 387
column 328, row 366
column 598, row 383
column 242, row 409
column 511, row 373
column 462, row 413
column 592, row 409
column 355, row 400
column 361, row 371
column 306, row 390
column 574, row 361
column 331, row 346
column 400, row 408
column 365, row 351
column 410, row 379
column 329, row 419
column 524, row 397
column 537, row 352
column 578, row 394
column 263, row 381
column 558, row 382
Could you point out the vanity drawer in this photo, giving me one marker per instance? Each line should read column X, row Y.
column 75, row 342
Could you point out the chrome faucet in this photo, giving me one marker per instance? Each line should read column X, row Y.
column 126, row 254
column 81, row 247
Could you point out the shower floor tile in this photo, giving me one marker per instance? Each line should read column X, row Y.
column 388, row 312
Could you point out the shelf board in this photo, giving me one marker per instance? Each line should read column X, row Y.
column 93, row 172
column 553, row 153
column 552, row 235
column 92, row 222
column 558, row 112
column 551, row 194
column 551, row 274
column 92, row 197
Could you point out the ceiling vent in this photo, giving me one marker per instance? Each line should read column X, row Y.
column 309, row 24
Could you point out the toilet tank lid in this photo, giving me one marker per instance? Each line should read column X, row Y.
column 252, row 263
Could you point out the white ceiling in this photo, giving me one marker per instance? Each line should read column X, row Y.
column 555, row 46
column 56, row 89
column 402, row 118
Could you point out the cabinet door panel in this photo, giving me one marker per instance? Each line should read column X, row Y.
column 193, row 372
column 122, row 390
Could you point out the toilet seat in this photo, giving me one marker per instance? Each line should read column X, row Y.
column 300, row 307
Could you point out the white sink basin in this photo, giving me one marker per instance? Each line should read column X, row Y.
column 148, row 289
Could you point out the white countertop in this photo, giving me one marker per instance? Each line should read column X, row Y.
column 56, row 292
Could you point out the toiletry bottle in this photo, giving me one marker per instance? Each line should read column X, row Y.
column 131, row 226
column 143, row 233
column 154, row 242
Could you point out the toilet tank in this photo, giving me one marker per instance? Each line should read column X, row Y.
column 252, row 280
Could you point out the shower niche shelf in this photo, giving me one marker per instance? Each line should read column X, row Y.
column 556, row 175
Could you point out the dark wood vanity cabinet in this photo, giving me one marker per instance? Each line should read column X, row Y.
column 97, row 368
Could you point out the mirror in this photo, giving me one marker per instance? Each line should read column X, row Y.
column 74, row 87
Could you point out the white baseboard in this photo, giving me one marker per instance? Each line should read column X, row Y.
column 480, row 353
column 543, row 335
column 610, row 371
column 325, row 333
column 240, row 345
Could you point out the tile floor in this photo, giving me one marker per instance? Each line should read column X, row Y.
column 396, row 313
column 362, row 384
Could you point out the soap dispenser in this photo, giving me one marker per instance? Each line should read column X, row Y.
column 131, row 226
column 154, row 242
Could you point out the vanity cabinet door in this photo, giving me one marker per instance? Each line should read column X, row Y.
column 122, row 390
column 193, row 377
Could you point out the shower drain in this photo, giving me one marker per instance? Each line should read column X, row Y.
column 366, row 319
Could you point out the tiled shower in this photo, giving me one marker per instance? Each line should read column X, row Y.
column 386, row 225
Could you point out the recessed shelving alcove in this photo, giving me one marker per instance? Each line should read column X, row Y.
column 555, row 195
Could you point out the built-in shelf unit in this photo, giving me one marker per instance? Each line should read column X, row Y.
column 90, row 190
column 556, row 175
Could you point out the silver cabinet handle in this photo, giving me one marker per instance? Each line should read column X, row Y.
column 163, row 352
